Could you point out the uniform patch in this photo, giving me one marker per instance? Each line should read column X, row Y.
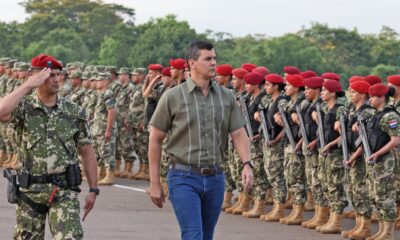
column 393, row 124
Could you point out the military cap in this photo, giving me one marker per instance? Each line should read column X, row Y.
column 124, row 70
column 360, row 86
column 394, row 79
column 378, row 90
column 314, row 82
column 166, row 71
column 93, row 75
column 76, row 74
column 4, row 60
column 253, row 78
column 24, row 66
column 89, row 68
column 239, row 72
column 137, row 71
column 261, row 70
column 178, row 63
column 111, row 69
column 291, row 70
column 373, row 79
column 308, row 74
column 155, row 67
column 103, row 76
column 274, row 78
column 43, row 61
column 100, row 68
column 248, row 66
column 224, row 70
column 332, row 86
column 10, row 63
column 16, row 66
column 331, row 75
column 295, row 80
column 85, row 75
column 356, row 78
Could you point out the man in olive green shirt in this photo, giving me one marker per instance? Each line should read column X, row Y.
column 198, row 117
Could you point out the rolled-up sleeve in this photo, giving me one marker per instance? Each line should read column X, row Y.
column 236, row 118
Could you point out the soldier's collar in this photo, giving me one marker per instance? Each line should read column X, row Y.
column 36, row 103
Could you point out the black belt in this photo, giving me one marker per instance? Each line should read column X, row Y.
column 46, row 178
column 203, row 171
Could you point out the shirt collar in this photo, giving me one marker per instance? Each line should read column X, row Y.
column 192, row 85
column 36, row 103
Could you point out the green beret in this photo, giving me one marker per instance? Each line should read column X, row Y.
column 137, row 71
column 124, row 70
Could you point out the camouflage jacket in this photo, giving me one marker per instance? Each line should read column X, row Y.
column 115, row 86
column 123, row 101
column 136, row 107
column 77, row 96
column 105, row 101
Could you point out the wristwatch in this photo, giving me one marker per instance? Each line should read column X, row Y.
column 250, row 163
column 95, row 190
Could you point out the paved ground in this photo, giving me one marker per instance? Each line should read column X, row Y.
column 127, row 213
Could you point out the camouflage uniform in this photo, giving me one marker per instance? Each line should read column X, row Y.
column 332, row 170
column 357, row 183
column 382, row 173
column 40, row 126
column 105, row 151
column 397, row 155
column 294, row 163
column 273, row 157
column 140, row 137
column 124, row 140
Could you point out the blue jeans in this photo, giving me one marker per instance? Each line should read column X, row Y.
column 197, row 202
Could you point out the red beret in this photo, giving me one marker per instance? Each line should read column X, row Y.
column 372, row 79
column 248, row 66
column 155, row 67
column 356, row 78
column 42, row 61
column 314, row 82
column 331, row 75
column 394, row 79
column 291, row 70
column 224, row 69
column 178, row 63
column 378, row 90
column 186, row 65
column 239, row 72
column 308, row 74
column 274, row 78
column 166, row 71
column 332, row 86
column 295, row 80
column 261, row 70
column 253, row 78
column 360, row 86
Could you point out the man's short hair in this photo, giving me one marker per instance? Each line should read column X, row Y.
column 193, row 50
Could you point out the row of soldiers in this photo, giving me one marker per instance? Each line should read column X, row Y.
column 310, row 145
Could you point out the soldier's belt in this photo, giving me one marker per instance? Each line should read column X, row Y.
column 203, row 171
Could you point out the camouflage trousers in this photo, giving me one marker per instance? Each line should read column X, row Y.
column 321, row 176
column 358, row 190
column 141, row 144
column 313, row 182
column 381, row 175
column 332, row 169
column 236, row 168
column 295, row 175
column 274, row 168
column 63, row 216
column 396, row 153
column 230, row 184
column 105, row 152
column 261, row 183
column 125, row 144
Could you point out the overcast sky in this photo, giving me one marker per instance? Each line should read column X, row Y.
column 270, row 17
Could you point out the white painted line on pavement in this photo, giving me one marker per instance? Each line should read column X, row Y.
column 130, row 188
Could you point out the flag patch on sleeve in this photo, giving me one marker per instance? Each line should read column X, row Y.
column 393, row 124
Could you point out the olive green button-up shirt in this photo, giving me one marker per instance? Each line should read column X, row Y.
column 198, row 126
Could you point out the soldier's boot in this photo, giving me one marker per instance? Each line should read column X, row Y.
column 364, row 231
column 117, row 168
column 240, row 197
column 264, row 216
column 128, row 170
column 144, row 175
column 289, row 202
column 108, row 179
column 277, row 214
column 244, row 205
column 257, row 210
column 321, row 220
column 283, row 220
column 377, row 234
column 134, row 175
column 100, row 173
column 316, row 212
column 309, row 204
column 350, row 214
column 298, row 215
column 397, row 224
column 335, row 226
column 347, row 233
column 3, row 157
column 375, row 217
column 269, row 197
column 388, row 231
column 227, row 200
